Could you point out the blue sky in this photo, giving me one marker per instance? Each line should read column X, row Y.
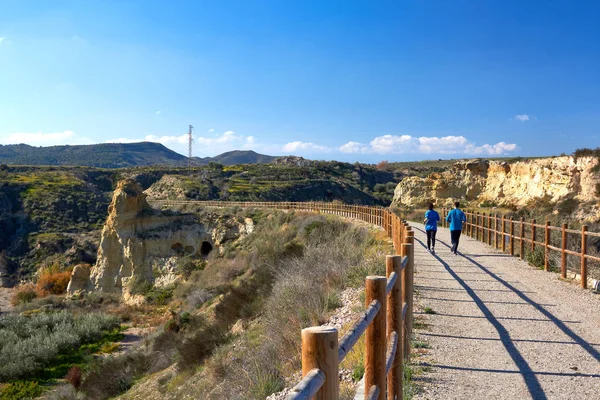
column 345, row 80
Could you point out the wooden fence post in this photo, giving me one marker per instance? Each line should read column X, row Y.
column 495, row 231
column 522, row 241
column 394, row 324
column 503, row 237
column 484, row 225
column 546, row 250
column 512, row 236
column 375, row 339
column 563, row 255
column 584, row 274
column 320, row 350
column 533, row 235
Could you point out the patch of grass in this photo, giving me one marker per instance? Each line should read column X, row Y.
column 429, row 310
column 417, row 344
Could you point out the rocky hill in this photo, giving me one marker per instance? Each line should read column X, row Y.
column 117, row 155
column 555, row 180
column 140, row 243
column 52, row 215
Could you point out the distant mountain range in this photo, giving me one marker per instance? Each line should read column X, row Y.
column 117, row 155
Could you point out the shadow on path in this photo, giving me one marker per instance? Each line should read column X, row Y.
column 533, row 385
column 560, row 324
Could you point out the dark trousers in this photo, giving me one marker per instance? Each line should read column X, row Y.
column 431, row 239
column 454, row 238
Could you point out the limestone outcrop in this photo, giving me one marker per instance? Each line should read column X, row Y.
column 502, row 183
column 139, row 241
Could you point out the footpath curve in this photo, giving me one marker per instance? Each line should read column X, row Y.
column 502, row 329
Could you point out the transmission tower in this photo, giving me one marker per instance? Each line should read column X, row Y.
column 190, row 141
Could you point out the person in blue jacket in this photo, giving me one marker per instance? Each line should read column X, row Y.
column 431, row 219
column 456, row 218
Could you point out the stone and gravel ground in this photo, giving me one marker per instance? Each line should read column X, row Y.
column 502, row 329
column 5, row 294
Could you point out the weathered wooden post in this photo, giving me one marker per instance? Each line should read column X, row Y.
column 546, row 250
column 394, row 324
column 533, row 235
column 320, row 350
column 408, row 291
column 490, row 229
column 496, row 230
column 522, row 241
column 485, row 228
column 503, row 237
column 584, row 274
column 375, row 339
column 512, row 236
column 563, row 254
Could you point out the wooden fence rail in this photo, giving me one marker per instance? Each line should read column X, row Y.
column 507, row 231
column 386, row 322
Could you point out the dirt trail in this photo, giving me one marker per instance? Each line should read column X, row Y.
column 5, row 294
column 503, row 329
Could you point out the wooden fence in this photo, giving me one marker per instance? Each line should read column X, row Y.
column 386, row 322
column 507, row 233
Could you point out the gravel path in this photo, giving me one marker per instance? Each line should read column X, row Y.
column 502, row 329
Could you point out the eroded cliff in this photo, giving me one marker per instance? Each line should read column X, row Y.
column 505, row 184
column 138, row 241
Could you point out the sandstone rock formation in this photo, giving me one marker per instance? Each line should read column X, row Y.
column 139, row 241
column 498, row 182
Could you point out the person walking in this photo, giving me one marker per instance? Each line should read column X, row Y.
column 456, row 218
column 431, row 219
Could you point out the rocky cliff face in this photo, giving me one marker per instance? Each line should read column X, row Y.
column 138, row 241
column 477, row 181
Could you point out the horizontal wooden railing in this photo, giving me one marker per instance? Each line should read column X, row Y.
column 501, row 233
column 387, row 319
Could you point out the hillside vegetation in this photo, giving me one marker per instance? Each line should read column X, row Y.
column 117, row 155
column 230, row 329
column 53, row 215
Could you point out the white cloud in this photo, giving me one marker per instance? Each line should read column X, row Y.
column 1, row 39
column 211, row 130
column 391, row 144
column 353, row 147
column 158, row 112
column 522, row 117
column 44, row 138
column 293, row 147
column 494, row 150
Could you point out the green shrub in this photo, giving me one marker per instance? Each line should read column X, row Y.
column 28, row 343
column 20, row 390
column 568, row 206
column 160, row 296
column 139, row 285
column 24, row 293
column 536, row 257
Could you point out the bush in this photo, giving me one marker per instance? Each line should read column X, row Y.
column 187, row 265
column 139, row 285
column 28, row 343
column 74, row 376
column 112, row 376
column 568, row 206
column 51, row 281
column 20, row 390
column 24, row 293
column 536, row 257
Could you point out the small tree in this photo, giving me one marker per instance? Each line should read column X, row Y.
column 382, row 165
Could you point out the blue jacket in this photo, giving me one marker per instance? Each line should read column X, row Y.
column 432, row 218
column 456, row 219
